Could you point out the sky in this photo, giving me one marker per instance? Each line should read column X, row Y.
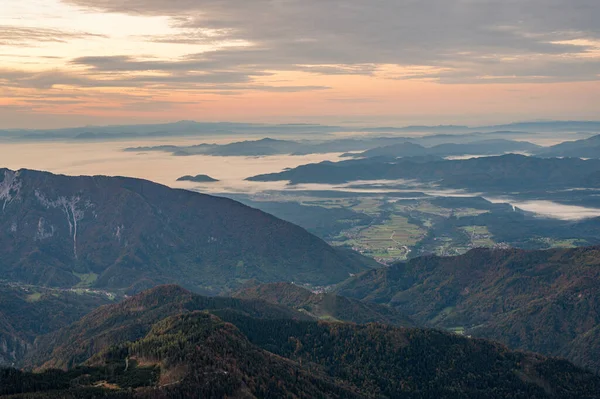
column 354, row 62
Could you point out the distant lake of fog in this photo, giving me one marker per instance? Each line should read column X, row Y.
column 551, row 209
column 108, row 158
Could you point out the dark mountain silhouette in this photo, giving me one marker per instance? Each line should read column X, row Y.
column 480, row 147
column 198, row 179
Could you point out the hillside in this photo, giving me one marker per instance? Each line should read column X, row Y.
column 188, row 355
column 27, row 312
column 122, row 233
column 234, row 355
column 132, row 319
column 325, row 306
column 543, row 301
column 490, row 174
column 586, row 148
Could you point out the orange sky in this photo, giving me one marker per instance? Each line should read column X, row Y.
column 63, row 63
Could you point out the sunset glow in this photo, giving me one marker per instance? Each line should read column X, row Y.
column 74, row 62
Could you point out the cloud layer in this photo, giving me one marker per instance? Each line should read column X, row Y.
column 516, row 40
column 203, row 49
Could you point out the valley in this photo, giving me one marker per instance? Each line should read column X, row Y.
column 391, row 228
column 428, row 273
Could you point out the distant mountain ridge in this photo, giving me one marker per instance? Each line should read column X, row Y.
column 193, row 128
column 131, row 234
column 478, row 147
column 498, row 173
column 586, row 148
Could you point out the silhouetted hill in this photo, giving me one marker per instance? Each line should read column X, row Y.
column 543, row 301
column 268, row 146
column 198, row 179
column 123, row 233
column 325, row 306
column 481, row 147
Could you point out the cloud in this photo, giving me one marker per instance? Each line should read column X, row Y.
column 22, row 35
column 215, row 82
column 470, row 38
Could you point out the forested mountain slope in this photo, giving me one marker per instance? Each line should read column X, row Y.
column 325, row 306
column 28, row 312
column 122, row 233
column 543, row 301
column 247, row 351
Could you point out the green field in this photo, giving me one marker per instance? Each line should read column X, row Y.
column 86, row 279
column 389, row 241
column 479, row 236
column 36, row 296
column 370, row 206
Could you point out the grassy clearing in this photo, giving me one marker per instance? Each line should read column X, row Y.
column 370, row 206
column 428, row 208
column 442, row 315
column 480, row 236
column 36, row 296
column 86, row 279
column 457, row 330
column 567, row 243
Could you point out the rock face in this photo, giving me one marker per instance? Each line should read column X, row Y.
column 132, row 234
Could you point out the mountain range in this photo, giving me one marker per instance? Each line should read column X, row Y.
column 108, row 287
column 491, row 174
column 478, row 147
column 542, row 301
column 130, row 234
column 158, row 345
column 192, row 128
column 439, row 145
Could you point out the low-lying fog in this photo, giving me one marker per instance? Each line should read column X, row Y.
column 551, row 209
column 108, row 158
